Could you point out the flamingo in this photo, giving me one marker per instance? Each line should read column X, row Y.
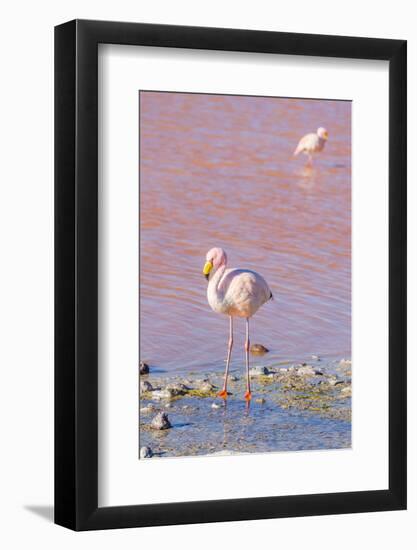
column 312, row 143
column 236, row 293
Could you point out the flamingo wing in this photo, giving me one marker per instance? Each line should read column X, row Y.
column 245, row 292
column 307, row 143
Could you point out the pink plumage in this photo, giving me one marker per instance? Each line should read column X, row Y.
column 312, row 143
column 236, row 293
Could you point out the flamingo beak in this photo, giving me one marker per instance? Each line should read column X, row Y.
column 208, row 266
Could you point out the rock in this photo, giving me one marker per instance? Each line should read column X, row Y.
column 177, row 389
column 171, row 391
column 306, row 370
column 161, row 422
column 143, row 368
column 334, row 381
column 233, row 378
column 258, row 371
column 347, row 391
column 315, row 358
column 206, row 387
column 161, row 394
column 260, row 400
column 146, row 452
column 145, row 386
column 258, row 349
column 146, row 410
column 345, row 363
column 168, row 405
column 216, row 406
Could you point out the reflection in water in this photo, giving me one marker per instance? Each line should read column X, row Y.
column 219, row 171
column 307, row 176
column 226, row 427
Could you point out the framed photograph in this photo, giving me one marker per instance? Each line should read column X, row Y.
column 230, row 275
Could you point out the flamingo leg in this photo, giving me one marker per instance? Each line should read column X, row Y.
column 248, row 394
column 223, row 393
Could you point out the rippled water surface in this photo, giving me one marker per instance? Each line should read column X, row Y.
column 219, row 171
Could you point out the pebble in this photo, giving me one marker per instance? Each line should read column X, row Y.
column 333, row 381
column 161, row 422
column 148, row 409
column 161, row 394
column 258, row 371
column 172, row 390
column 345, row 363
column 143, row 368
column 145, row 386
column 258, row 348
column 233, row 378
column 260, row 400
column 177, row 389
column 306, row 370
column 206, row 387
column 315, row 358
column 146, row 452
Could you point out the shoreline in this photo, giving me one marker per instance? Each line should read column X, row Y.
column 298, row 407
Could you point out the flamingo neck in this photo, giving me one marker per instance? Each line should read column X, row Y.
column 215, row 278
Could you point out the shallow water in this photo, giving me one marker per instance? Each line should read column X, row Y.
column 203, row 430
column 277, row 419
column 219, row 171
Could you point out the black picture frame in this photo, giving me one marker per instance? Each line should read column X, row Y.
column 76, row 272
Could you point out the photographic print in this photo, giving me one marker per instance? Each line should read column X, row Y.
column 244, row 274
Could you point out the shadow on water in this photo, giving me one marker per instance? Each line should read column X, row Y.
column 181, row 424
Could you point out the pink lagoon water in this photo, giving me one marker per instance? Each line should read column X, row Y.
column 219, row 171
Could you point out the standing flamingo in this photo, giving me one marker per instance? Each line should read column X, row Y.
column 236, row 293
column 312, row 143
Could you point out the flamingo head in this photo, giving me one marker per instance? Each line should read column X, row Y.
column 215, row 258
column 323, row 133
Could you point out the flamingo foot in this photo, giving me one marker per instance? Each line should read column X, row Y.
column 248, row 395
column 222, row 394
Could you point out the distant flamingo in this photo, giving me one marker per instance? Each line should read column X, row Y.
column 312, row 143
column 236, row 293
